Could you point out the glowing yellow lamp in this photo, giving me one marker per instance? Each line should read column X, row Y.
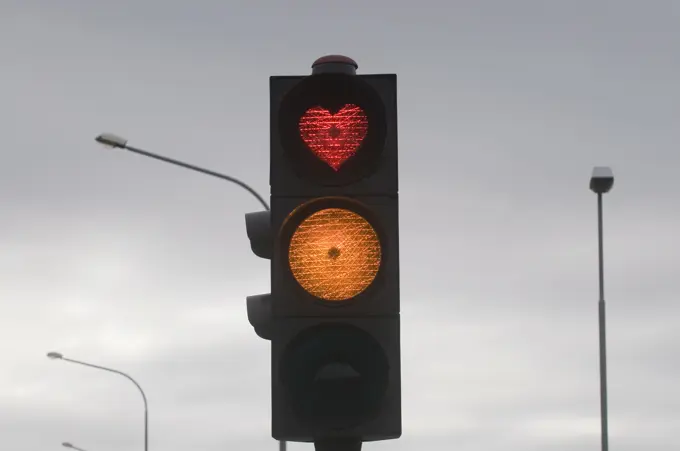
column 334, row 254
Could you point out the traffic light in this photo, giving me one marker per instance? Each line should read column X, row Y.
column 333, row 239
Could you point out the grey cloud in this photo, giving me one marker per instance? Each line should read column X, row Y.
column 127, row 262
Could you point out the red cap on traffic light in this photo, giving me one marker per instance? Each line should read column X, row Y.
column 338, row 64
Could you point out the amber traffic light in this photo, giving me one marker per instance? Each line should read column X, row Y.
column 334, row 254
column 333, row 240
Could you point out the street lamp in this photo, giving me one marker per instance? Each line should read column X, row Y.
column 601, row 182
column 69, row 445
column 59, row 356
column 117, row 142
column 111, row 140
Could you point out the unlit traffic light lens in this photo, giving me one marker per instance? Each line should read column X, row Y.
column 334, row 254
column 334, row 138
column 336, row 375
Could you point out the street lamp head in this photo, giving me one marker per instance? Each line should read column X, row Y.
column 111, row 140
column 55, row 355
column 602, row 180
column 67, row 445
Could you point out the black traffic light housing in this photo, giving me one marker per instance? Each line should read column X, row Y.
column 336, row 370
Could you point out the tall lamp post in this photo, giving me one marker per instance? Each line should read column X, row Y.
column 601, row 182
column 59, row 356
column 117, row 142
column 70, row 445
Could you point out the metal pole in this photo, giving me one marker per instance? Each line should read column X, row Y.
column 338, row 444
column 282, row 445
column 123, row 145
column 603, row 342
column 199, row 169
column 72, row 446
column 146, row 407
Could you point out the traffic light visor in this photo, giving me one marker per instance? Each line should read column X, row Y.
column 334, row 254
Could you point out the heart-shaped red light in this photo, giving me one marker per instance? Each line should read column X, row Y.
column 334, row 138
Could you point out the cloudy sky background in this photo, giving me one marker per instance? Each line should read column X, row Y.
column 119, row 260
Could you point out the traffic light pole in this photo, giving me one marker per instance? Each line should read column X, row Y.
column 338, row 444
column 123, row 145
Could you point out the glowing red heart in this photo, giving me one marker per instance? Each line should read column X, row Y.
column 334, row 138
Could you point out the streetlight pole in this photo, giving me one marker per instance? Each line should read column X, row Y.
column 601, row 182
column 121, row 143
column 118, row 142
column 59, row 356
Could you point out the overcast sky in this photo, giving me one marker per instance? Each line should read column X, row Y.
column 505, row 106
